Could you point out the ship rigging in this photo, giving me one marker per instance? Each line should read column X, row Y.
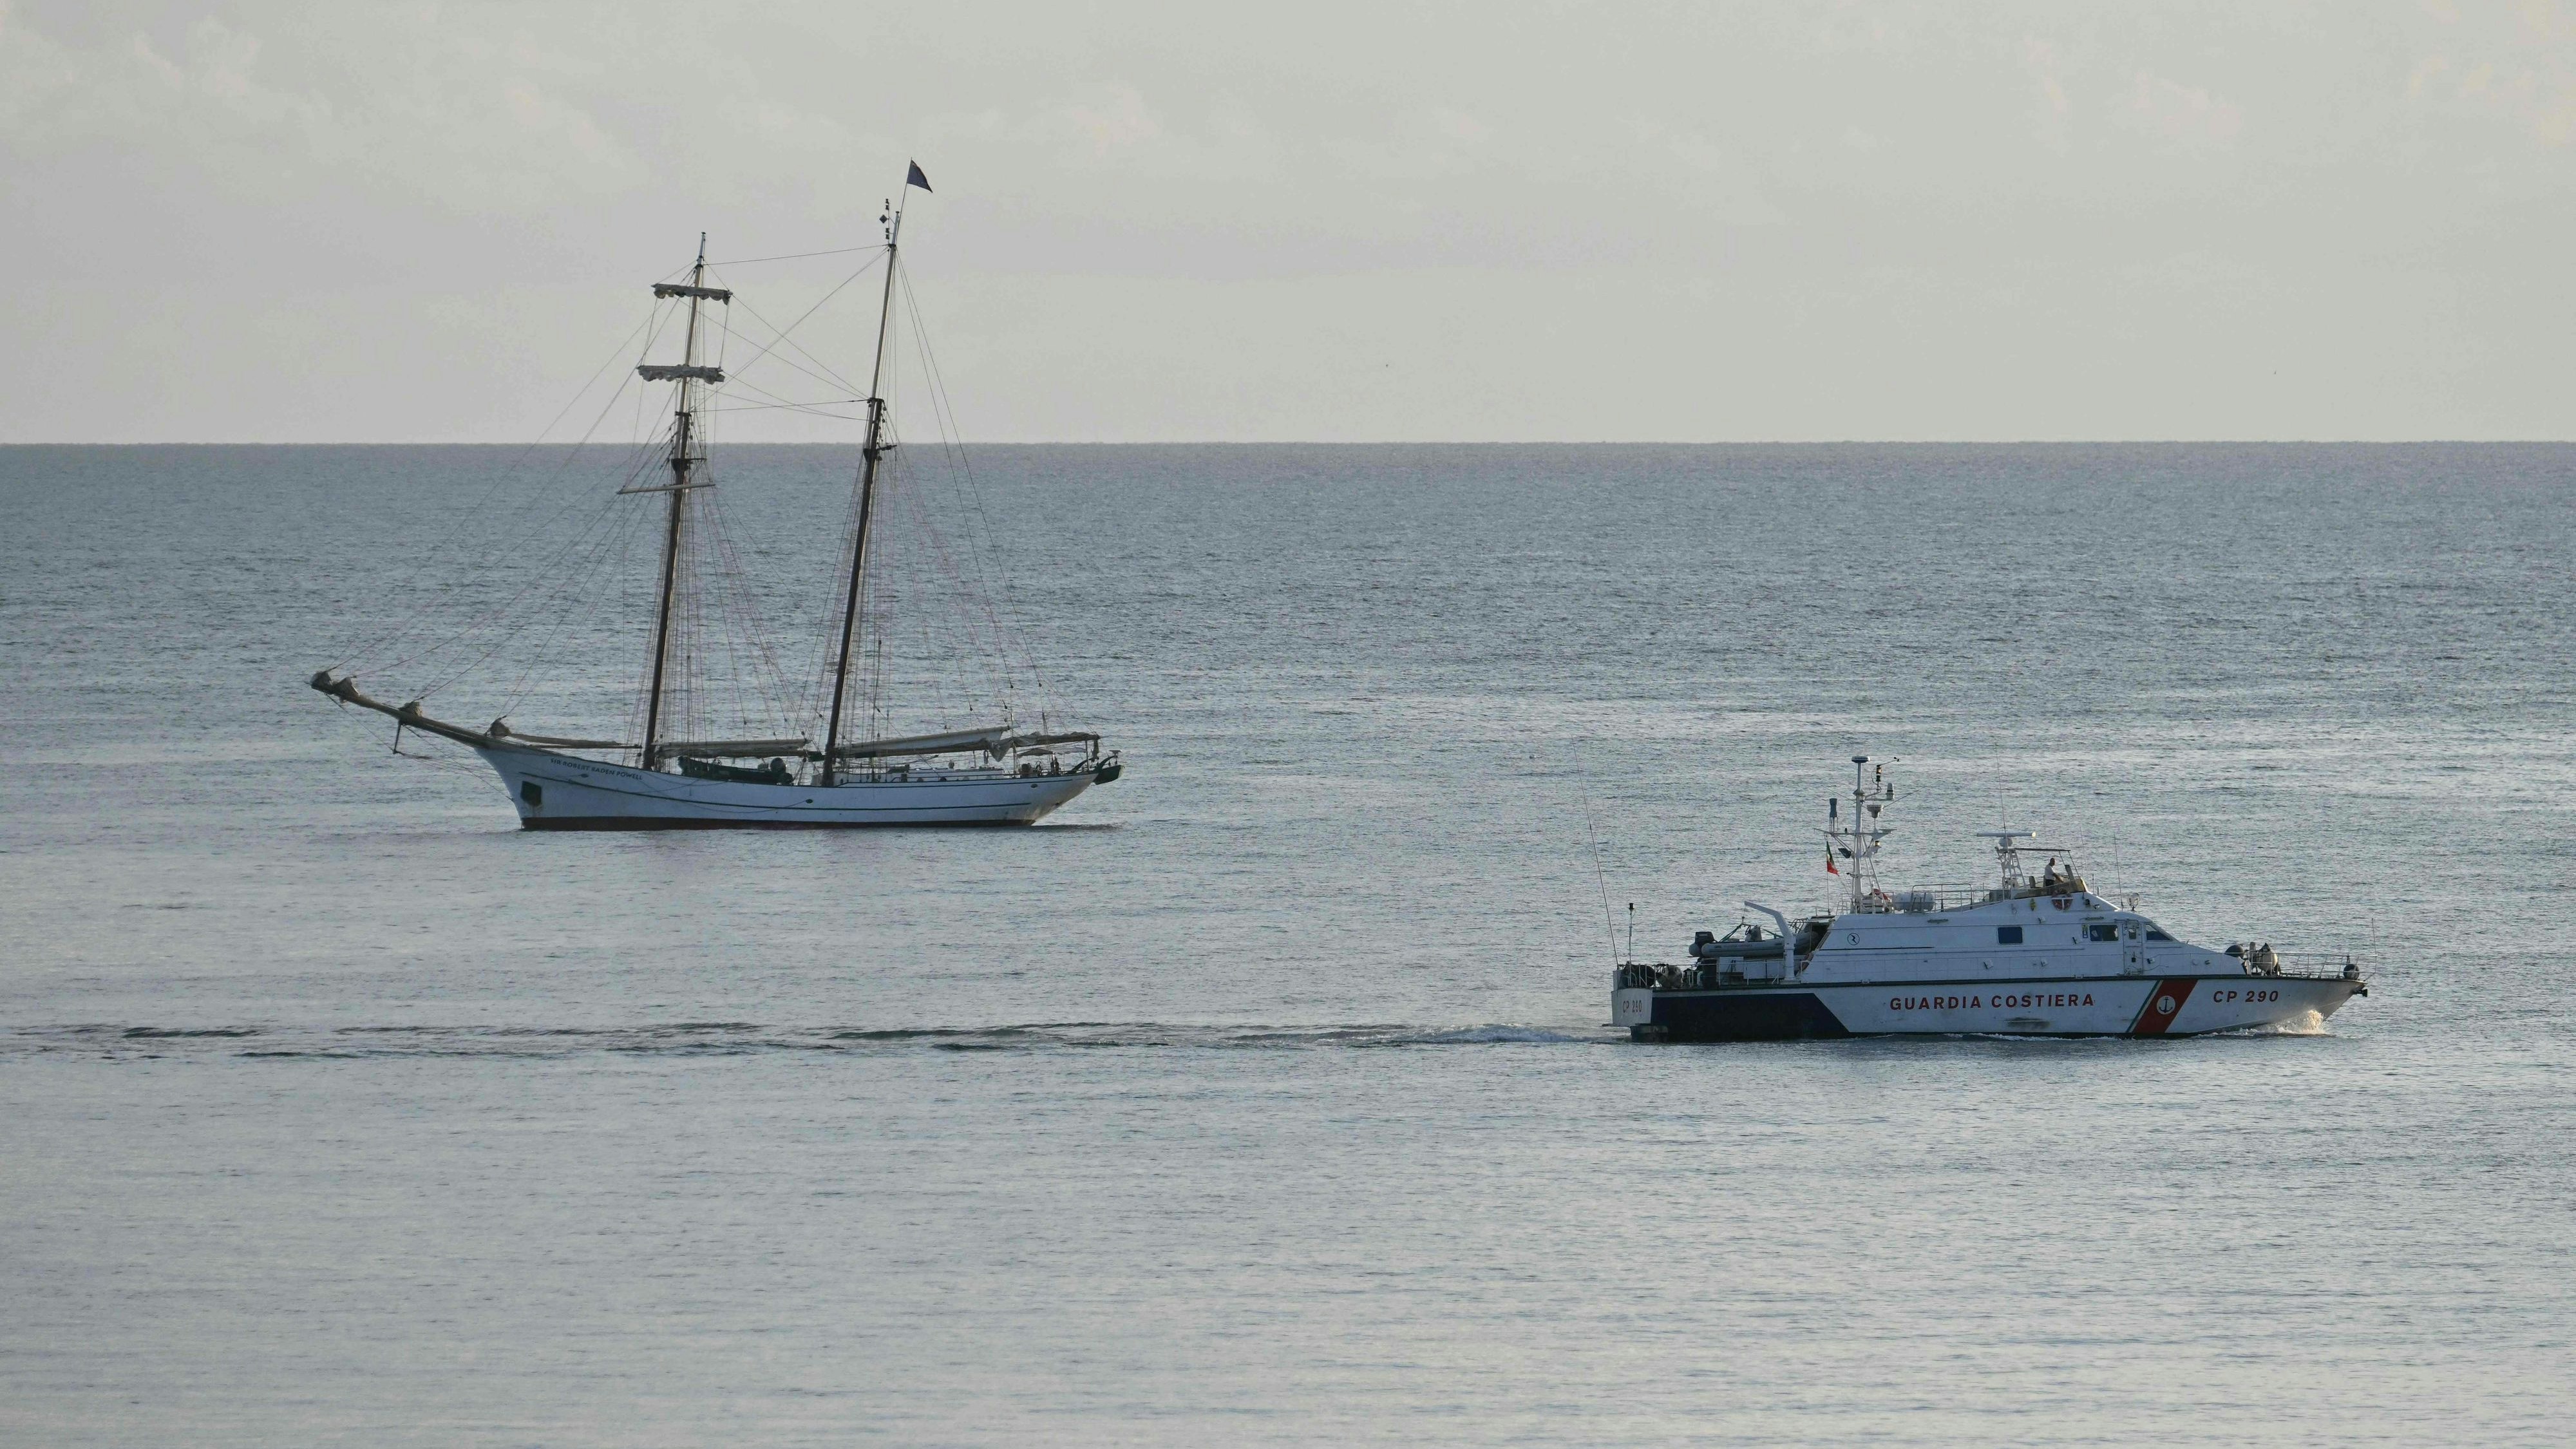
column 695, row 752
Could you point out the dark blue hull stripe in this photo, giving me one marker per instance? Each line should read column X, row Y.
column 1767, row 1016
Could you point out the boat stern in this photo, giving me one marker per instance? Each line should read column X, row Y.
column 1632, row 1007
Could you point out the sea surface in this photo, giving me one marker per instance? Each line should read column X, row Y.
column 1265, row 1096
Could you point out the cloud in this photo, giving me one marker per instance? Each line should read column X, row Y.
column 2513, row 67
column 2187, row 116
column 1116, row 119
column 1457, row 125
column 457, row 120
column 2039, row 60
column 36, row 75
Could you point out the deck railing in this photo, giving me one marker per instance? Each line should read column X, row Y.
column 1707, row 975
column 1932, row 900
column 2318, row 964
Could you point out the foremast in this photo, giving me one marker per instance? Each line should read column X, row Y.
column 688, row 462
column 870, row 457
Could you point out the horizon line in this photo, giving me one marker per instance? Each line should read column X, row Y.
column 1360, row 443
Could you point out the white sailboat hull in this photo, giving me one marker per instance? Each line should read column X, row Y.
column 563, row 792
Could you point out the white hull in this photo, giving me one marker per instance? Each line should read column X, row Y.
column 564, row 792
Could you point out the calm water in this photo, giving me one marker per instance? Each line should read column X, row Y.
column 1264, row 1096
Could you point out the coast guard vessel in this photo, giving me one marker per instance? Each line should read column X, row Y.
column 2033, row 955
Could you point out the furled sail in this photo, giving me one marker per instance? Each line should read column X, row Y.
column 1032, row 741
column 726, row 749
column 992, row 741
column 683, row 289
column 674, row 372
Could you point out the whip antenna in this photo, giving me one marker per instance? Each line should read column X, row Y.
column 1609, row 922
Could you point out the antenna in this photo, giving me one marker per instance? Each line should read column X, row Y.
column 1632, row 930
column 1608, row 921
column 1857, row 837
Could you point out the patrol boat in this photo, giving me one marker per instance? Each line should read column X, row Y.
column 2034, row 955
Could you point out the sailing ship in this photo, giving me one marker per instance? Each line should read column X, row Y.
column 1000, row 772
column 2036, row 954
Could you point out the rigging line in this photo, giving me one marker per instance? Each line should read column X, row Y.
column 795, row 256
column 776, row 399
column 616, row 542
column 873, row 600
column 821, row 672
column 777, row 402
column 541, row 530
column 571, row 456
column 935, row 560
column 787, row 406
column 944, row 408
column 774, row 406
column 944, row 413
column 882, row 596
column 735, row 597
column 574, row 604
column 421, row 616
column 637, row 429
column 974, row 593
column 938, row 555
column 474, row 627
column 930, row 563
column 551, row 579
column 826, row 375
column 493, row 615
column 385, row 638
column 784, row 338
column 1609, row 921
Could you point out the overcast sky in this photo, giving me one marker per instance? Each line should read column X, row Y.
column 362, row 222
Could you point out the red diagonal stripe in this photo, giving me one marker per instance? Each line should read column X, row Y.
column 2163, row 1005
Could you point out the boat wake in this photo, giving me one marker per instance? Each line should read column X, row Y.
column 732, row 1038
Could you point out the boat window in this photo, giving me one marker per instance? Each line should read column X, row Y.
column 532, row 792
column 2103, row 932
column 2007, row 935
column 2155, row 935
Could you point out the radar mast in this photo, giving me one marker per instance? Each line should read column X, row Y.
column 1851, row 844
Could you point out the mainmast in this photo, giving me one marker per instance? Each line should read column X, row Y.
column 688, row 459
column 870, row 456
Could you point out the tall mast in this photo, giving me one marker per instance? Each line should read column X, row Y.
column 688, row 455
column 869, row 456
